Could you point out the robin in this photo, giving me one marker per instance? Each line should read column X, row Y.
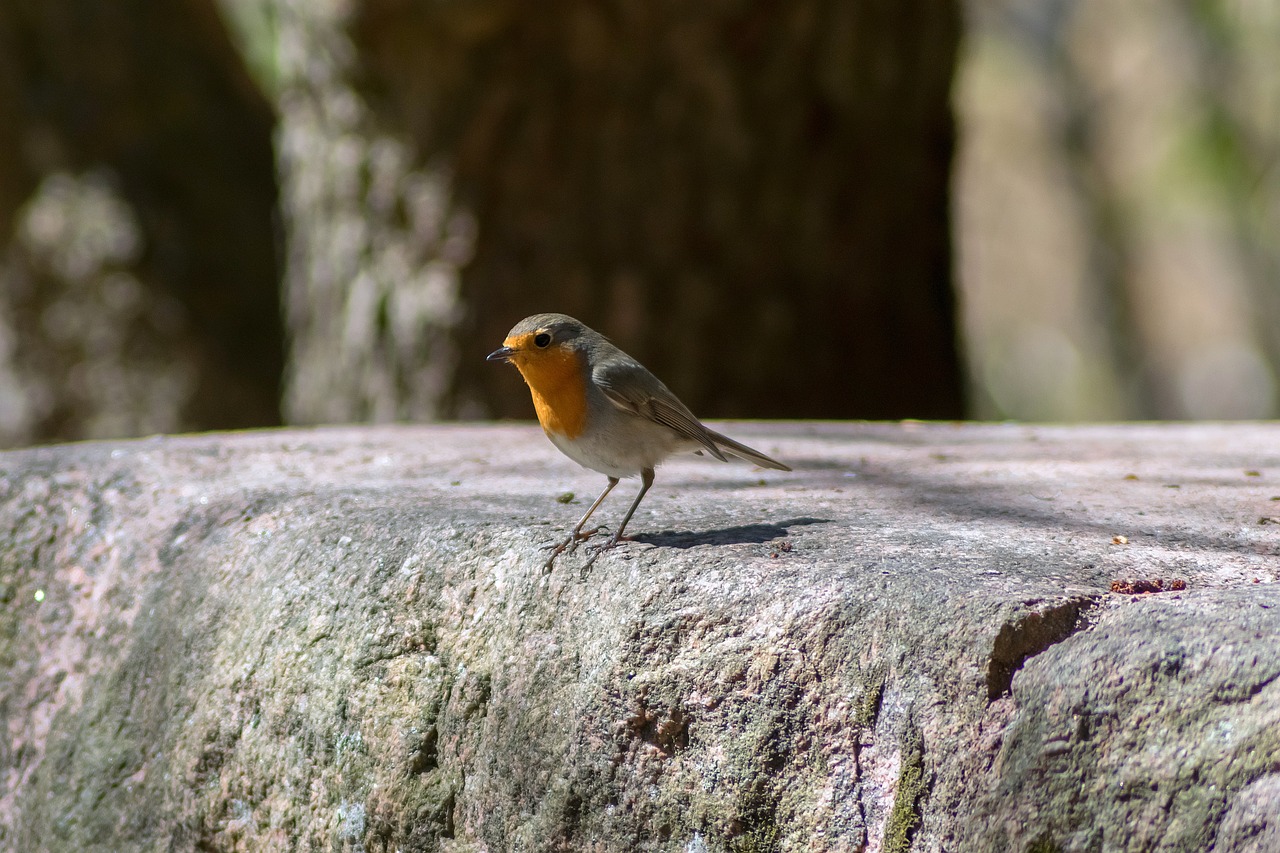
column 605, row 411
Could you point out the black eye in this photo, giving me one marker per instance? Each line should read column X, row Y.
column 541, row 340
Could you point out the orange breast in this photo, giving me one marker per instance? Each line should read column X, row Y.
column 558, row 384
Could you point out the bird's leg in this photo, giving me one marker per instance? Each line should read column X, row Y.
column 576, row 535
column 646, row 480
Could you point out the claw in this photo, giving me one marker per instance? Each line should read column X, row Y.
column 570, row 544
column 595, row 554
column 586, row 567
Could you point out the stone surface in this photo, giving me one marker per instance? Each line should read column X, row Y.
column 342, row 639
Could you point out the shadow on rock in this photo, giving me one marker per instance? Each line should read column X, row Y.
column 743, row 534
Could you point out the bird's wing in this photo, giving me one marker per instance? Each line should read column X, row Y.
column 747, row 454
column 632, row 388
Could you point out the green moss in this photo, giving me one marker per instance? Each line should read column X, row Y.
column 756, row 807
column 868, row 710
column 1044, row 844
column 763, row 839
column 905, row 816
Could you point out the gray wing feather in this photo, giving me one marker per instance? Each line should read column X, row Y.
column 748, row 454
column 632, row 388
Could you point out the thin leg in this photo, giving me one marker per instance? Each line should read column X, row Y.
column 576, row 535
column 613, row 481
column 646, row 480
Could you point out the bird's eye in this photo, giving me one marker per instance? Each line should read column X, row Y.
column 541, row 340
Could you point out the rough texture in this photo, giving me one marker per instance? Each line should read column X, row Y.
column 342, row 640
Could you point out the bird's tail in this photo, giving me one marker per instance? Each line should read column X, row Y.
column 733, row 448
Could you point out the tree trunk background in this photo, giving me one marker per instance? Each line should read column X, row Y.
column 138, row 268
column 750, row 198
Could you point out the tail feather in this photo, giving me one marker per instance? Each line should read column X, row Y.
column 734, row 448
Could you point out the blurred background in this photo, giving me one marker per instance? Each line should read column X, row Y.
column 237, row 213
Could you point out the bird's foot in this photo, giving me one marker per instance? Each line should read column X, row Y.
column 570, row 544
column 610, row 543
column 613, row 542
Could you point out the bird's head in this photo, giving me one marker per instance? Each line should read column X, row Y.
column 540, row 339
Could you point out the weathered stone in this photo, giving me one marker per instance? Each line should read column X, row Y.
column 343, row 640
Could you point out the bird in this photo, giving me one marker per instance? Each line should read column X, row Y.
column 606, row 411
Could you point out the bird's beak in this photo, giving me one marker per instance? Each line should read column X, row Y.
column 500, row 354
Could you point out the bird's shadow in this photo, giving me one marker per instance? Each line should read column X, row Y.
column 743, row 534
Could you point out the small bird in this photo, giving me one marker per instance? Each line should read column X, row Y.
column 605, row 411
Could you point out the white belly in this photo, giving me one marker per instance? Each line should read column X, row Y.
column 625, row 452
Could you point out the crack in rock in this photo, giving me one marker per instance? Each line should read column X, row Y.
column 1029, row 635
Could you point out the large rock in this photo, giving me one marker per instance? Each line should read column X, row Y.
column 344, row 640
